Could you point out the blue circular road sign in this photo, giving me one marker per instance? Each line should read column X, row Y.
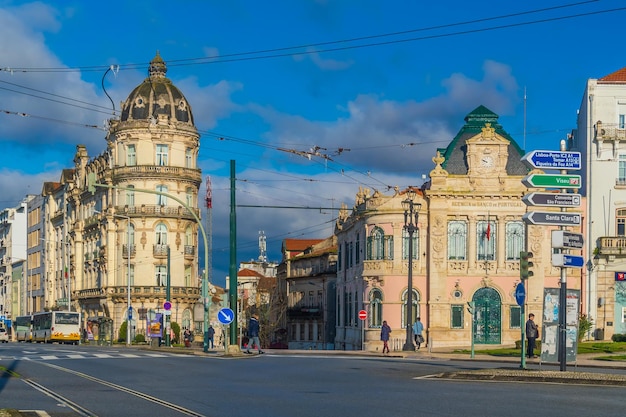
column 225, row 315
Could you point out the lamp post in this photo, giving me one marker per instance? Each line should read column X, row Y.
column 411, row 213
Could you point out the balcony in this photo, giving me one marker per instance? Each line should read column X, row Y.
column 133, row 251
column 190, row 252
column 156, row 171
column 610, row 132
column 159, row 251
column 155, row 210
column 615, row 245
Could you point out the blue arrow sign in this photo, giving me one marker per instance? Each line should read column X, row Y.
column 567, row 261
column 225, row 315
column 553, row 160
column 520, row 294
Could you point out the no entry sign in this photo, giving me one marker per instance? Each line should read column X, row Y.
column 362, row 314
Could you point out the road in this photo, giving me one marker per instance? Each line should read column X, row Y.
column 118, row 381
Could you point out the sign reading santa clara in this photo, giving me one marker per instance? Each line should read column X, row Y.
column 553, row 160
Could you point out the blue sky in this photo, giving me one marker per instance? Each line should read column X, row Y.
column 373, row 87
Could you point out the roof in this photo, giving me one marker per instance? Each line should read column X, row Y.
column 299, row 244
column 456, row 153
column 249, row 273
column 156, row 96
column 618, row 76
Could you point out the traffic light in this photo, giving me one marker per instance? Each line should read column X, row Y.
column 525, row 264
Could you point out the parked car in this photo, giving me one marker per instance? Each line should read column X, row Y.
column 4, row 335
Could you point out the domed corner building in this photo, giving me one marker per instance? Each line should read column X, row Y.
column 465, row 249
column 131, row 233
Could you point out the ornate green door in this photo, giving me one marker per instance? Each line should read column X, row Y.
column 488, row 320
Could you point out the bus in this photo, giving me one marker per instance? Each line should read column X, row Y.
column 22, row 327
column 56, row 326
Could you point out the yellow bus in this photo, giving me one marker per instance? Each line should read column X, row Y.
column 56, row 326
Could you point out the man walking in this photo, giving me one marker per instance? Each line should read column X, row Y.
column 418, row 328
column 532, row 333
column 253, row 333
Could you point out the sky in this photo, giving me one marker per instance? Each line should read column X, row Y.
column 312, row 99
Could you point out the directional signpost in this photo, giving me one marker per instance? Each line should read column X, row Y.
column 567, row 261
column 552, row 218
column 553, row 160
column 552, row 199
column 567, row 240
column 552, row 181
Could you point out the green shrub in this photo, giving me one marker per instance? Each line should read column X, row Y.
column 584, row 325
column 140, row 338
column 176, row 329
column 619, row 337
column 121, row 335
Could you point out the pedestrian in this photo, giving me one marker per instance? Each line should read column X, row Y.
column 253, row 333
column 418, row 328
column 532, row 333
column 187, row 337
column 385, row 332
column 210, row 334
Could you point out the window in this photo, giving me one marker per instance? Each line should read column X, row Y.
column 188, row 276
column 161, row 275
column 486, row 240
column 161, row 155
column 621, row 174
column 161, row 234
column 405, row 244
column 132, row 274
column 621, row 124
column 346, row 253
column 161, row 199
column 189, row 197
column 515, row 321
column 375, row 248
column 130, row 196
column 620, row 222
column 376, row 308
column 514, row 240
column 358, row 249
column 188, row 158
column 350, row 254
column 188, row 236
column 456, row 320
column 132, row 235
column 623, row 314
column 414, row 310
column 339, row 246
column 131, row 155
column 457, row 240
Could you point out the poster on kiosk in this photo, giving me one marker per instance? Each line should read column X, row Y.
column 549, row 330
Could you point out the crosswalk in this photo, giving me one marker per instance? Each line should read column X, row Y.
column 39, row 356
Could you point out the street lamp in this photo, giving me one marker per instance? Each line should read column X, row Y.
column 128, row 251
column 411, row 213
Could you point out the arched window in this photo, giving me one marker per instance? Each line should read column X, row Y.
column 514, row 240
column 405, row 244
column 414, row 311
column 375, row 244
column 376, row 308
column 188, row 158
column 161, row 234
column 486, row 240
column 132, row 236
column 457, row 240
column 379, row 246
column 186, row 319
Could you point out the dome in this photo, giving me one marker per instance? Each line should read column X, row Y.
column 157, row 98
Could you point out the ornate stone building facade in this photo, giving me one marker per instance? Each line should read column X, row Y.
column 466, row 249
column 132, row 232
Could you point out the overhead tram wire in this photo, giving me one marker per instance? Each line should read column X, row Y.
column 244, row 55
